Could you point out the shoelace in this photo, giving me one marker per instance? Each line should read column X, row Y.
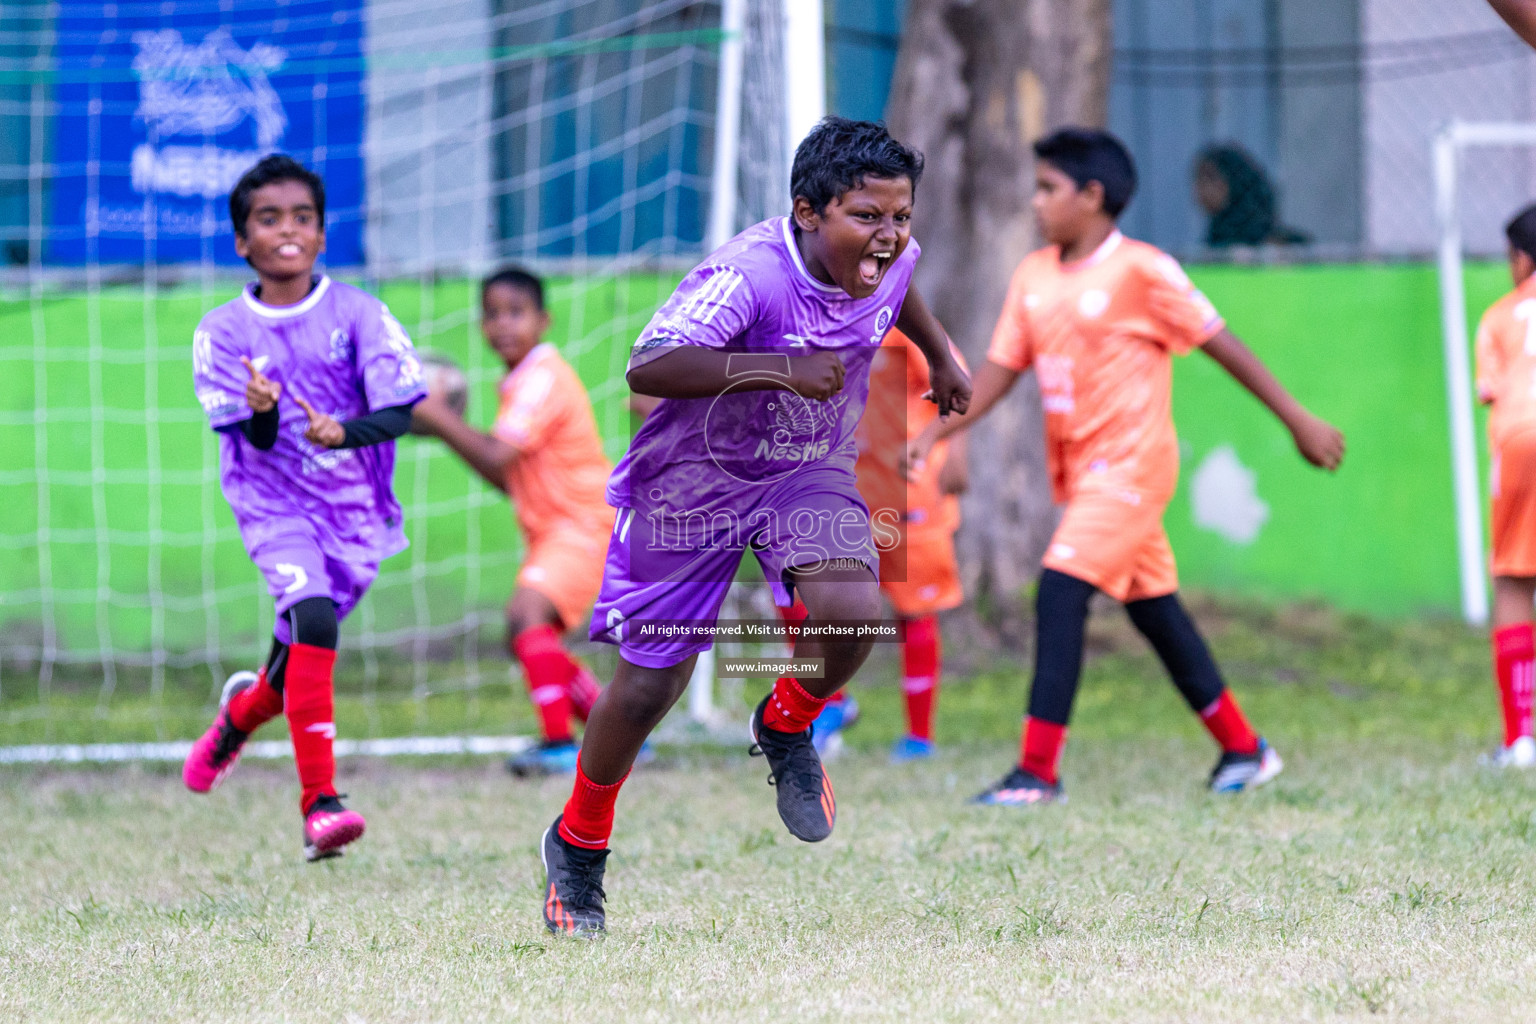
column 800, row 764
column 327, row 804
column 583, row 880
column 230, row 739
column 1020, row 779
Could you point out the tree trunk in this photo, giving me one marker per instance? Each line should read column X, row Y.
column 977, row 81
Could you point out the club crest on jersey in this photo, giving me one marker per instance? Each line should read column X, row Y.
column 341, row 345
column 1093, row 303
column 882, row 324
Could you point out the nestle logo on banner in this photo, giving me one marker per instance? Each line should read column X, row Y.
column 205, row 90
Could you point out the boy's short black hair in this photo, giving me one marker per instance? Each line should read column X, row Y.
column 1521, row 231
column 516, row 277
column 273, row 168
column 839, row 154
column 1089, row 154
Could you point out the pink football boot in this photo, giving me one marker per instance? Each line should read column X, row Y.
column 329, row 826
column 217, row 751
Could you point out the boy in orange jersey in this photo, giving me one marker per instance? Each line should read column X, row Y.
column 920, row 577
column 1506, row 382
column 916, row 520
column 1099, row 316
column 545, row 453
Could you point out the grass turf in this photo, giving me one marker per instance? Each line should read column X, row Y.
column 1383, row 874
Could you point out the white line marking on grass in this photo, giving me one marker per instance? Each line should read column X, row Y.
column 76, row 753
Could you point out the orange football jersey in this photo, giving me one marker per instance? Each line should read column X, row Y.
column 897, row 412
column 560, row 472
column 1100, row 334
column 1506, row 361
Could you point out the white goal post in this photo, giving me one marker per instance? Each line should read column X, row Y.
column 805, row 103
column 1449, row 145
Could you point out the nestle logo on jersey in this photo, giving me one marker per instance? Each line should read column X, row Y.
column 804, row 452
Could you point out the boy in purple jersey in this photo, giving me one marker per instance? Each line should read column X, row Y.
column 761, row 358
column 308, row 382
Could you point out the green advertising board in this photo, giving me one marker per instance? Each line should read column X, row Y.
column 1360, row 346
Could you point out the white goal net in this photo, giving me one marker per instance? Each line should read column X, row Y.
column 576, row 138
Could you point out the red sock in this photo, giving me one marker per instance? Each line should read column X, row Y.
column 790, row 708
column 1514, row 661
column 1040, row 747
column 549, row 670
column 583, row 692
column 794, row 615
column 841, row 696
column 588, row 818
column 1227, row 725
column 920, row 656
column 255, row 706
column 311, row 719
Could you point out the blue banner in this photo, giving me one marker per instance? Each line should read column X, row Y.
column 161, row 108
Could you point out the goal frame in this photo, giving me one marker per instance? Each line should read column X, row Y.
column 1448, row 146
column 805, row 87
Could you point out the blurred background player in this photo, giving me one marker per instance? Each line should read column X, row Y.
column 545, row 453
column 761, row 357
column 1098, row 316
column 308, row 382
column 1506, row 382
column 914, row 528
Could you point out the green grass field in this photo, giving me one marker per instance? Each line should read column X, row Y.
column 1383, row 875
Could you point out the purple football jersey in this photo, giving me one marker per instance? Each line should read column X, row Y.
column 341, row 351
column 754, row 295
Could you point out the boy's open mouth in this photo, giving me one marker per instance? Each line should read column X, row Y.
column 290, row 249
column 872, row 267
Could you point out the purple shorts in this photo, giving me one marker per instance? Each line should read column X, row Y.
column 296, row 569
column 677, row 569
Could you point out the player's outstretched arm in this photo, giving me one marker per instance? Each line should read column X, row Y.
column 1520, row 16
column 949, row 385
column 993, row 381
column 693, row 371
column 486, row 454
column 1319, row 442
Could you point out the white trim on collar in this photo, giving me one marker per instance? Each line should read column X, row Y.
column 284, row 312
column 794, row 254
column 1098, row 255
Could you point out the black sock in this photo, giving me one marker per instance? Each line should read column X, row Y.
column 1061, row 612
column 312, row 621
column 1172, row 633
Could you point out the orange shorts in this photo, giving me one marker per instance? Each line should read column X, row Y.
column 1114, row 539
column 930, row 576
column 565, row 565
column 1512, row 482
